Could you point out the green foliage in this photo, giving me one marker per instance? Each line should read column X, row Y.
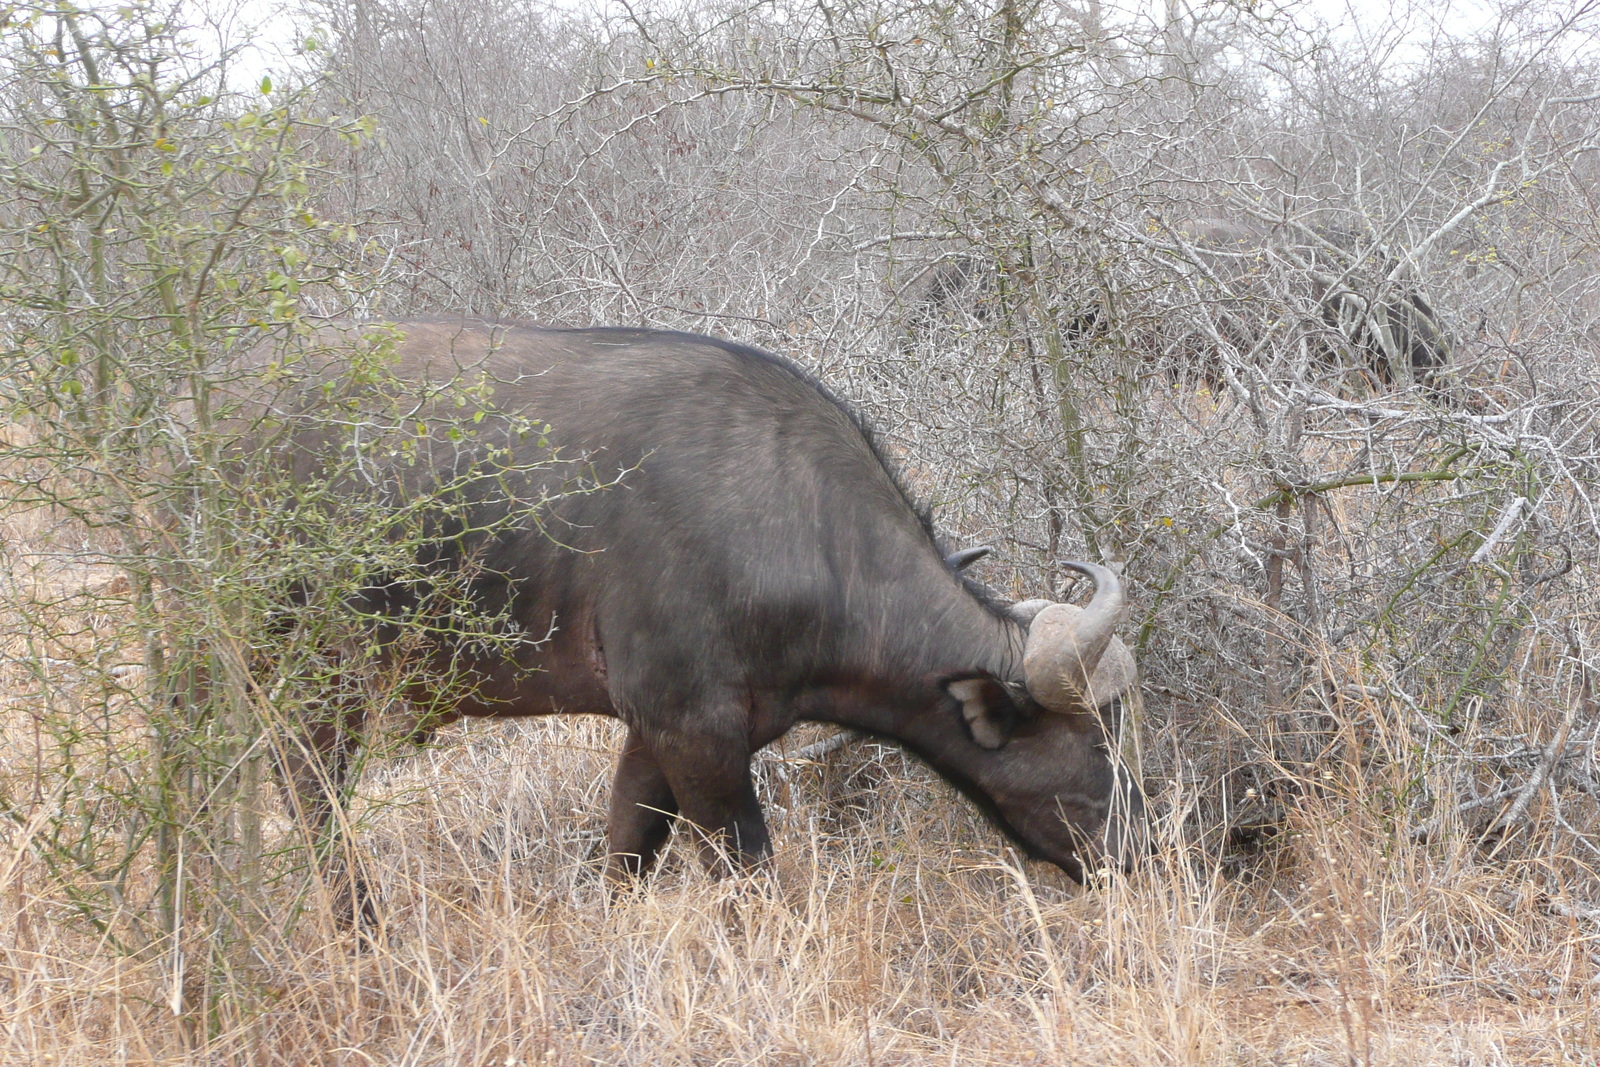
column 240, row 491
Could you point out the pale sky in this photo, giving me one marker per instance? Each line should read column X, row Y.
column 277, row 24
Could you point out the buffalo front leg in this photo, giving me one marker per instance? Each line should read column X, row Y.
column 642, row 807
column 710, row 776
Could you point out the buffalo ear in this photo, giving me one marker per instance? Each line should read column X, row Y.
column 990, row 713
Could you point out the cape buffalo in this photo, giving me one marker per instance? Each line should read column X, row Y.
column 1378, row 311
column 749, row 561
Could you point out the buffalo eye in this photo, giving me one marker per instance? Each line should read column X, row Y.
column 991, row 715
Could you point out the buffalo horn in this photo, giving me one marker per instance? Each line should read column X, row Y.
column 960, row 561
column 1065, row 644
column 1027, row 610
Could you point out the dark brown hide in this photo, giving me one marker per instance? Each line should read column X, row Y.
column 752, row 564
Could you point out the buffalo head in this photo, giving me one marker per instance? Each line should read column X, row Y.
column 1059, row 781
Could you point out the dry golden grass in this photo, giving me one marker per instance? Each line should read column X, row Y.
column 897, row 929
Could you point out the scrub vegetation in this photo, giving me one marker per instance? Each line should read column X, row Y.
column 1294, row 326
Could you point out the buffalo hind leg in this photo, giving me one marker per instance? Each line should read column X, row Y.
column 314, row 763
column 642, row 807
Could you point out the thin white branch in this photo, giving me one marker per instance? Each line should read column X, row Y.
column 1512, row 512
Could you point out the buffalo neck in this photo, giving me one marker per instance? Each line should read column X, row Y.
column 896, row 676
